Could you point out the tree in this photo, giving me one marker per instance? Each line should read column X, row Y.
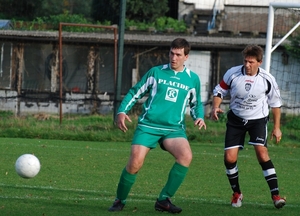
column 294, row 47
column 99, row 10
column 147, row 10
column 28, row 10
column 55, row 7
column 142, row 11
column 79, row 7
column 20, row 9
column 106, row 10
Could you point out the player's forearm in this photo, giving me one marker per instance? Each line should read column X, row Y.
column 276, row 117
column 216, row 102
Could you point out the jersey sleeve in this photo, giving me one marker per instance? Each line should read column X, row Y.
column 274, row 99
column 195, row 103
column 136, row 92
column 221, row 90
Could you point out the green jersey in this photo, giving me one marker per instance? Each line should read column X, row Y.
column 168, row 93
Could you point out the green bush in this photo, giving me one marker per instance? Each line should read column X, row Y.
column 163, row 23
column 293, row 48
column 160, row 24
column 129, row 23
column 52, row 23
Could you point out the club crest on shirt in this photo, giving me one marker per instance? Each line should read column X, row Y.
column 248, row 86
column 171, row 94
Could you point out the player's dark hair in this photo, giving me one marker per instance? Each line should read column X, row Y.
column 180, row 43
column 253, row 51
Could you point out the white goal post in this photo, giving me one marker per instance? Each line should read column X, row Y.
column 268, row 50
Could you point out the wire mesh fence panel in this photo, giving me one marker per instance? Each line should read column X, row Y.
column 218, row 32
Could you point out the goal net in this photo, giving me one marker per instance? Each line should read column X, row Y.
column 270, row 24
column 285, row 67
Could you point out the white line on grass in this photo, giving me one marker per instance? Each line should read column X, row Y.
column 128, row 149
column 200, row 200
column 139, row 197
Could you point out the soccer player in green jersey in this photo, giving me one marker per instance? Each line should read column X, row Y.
column 170, row 88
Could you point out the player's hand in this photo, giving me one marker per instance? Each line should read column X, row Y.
column 121, row 121
column 200, row 122
column 277, row 134
column 215, row 112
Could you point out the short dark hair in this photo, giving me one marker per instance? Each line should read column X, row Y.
column 180, row 43
column 253, row 51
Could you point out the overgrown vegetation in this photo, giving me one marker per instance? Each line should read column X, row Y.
column 46, row 15
column 293, row 48
column 51, row 22
column 30, row 9
column 102, row 128
column 139, row 11
column 160, row 24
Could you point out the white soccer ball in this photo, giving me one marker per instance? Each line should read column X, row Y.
column 27, row 166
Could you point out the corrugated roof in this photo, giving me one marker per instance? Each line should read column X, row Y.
column 203, row 42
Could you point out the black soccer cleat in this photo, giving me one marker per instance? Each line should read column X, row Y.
column 117, row 206
column 166, row 205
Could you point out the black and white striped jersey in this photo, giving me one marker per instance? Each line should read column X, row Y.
column 250, row 96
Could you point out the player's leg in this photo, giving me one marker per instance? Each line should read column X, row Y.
column 128, row 175
column 232, row 172
column 143, row 141
column 234, row 141
column 181, row 150
column 259, row 130
column 270, row 175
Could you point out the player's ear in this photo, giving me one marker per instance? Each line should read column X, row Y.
column 186, row 56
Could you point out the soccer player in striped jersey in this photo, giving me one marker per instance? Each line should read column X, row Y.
column 169, row 88
column 253, row 91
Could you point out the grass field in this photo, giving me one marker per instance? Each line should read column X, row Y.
column 80, row 178
column 100, row 128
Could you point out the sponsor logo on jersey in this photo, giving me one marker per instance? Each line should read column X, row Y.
column 247, row 86
column 175, row 77
column 174, row 84
column 172, row 94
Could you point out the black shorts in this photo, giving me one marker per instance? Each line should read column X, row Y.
column 236, row 129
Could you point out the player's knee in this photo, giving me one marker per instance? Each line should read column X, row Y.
column 190, row 157
column 230, row 165
column 185, row 159
column 133, row 166
column 230, row 156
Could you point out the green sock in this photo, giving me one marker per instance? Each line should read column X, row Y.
column 125, row 184
column 176, row 177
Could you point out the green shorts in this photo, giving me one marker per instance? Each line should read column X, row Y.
column 149, row 137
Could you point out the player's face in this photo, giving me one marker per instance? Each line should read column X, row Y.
column 251, row 65
column 177, row 59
